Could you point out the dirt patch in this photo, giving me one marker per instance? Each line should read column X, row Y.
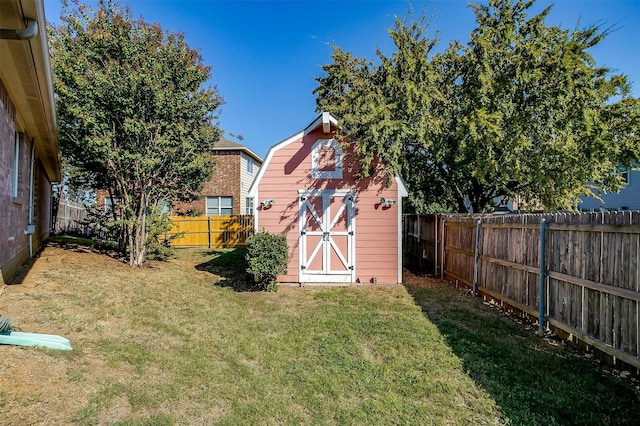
column 424, row 281
column 37, row 385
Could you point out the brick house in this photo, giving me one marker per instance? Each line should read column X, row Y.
column 228, row 190
column 29, row 150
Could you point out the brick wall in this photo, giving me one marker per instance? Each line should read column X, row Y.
column 225, row 182
column 14, row 211
column 101, row 195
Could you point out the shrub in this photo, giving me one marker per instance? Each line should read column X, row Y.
column 267, row 257
column 103, row 225
column 158, row 241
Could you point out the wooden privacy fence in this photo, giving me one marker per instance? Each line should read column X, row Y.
column 579, row 272
column 224, row 231
column 420, row 243
column 70, row 217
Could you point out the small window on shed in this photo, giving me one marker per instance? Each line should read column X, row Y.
column 326, row 159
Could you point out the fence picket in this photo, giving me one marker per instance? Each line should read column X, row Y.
column 70, row 217
column 593, row 259
column 224, row 231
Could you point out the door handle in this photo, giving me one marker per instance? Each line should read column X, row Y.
column 325, row 236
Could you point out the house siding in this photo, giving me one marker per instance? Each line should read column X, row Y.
column 224, row 182
column 376, row 228
column 627, row 199
column 246, row 179
column 229, row 179
column 14, row 211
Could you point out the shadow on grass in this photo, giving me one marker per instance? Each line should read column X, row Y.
column 86, row 245
column 231, row 266
column 534, row 381
column 71, row 243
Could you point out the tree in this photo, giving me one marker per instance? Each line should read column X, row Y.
column 133, row 113
column 521, row 110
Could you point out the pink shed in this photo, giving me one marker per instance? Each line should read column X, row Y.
column 339, row 230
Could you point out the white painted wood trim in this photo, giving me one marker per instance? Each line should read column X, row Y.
column 255, row 212
column 326, row 122
column 402, row 192
column 320, row 120
column 316, row 173
column 254, row 186
column 402, row 187
column 326, row 276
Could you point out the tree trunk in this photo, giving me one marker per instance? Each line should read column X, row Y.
column 142, row 239
column 138, row 238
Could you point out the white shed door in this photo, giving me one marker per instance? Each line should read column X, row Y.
column 327, row 237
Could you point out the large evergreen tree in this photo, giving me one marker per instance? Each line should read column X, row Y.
column 133, row 113
column 521, row 110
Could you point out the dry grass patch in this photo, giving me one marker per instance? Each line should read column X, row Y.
column 174, row 343
column 167, row 344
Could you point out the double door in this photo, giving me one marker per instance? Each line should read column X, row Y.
column 327, row 237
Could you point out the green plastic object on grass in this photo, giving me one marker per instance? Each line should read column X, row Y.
column 8, row 337
column 50, row 341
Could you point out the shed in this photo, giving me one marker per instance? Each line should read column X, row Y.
column 339, row 230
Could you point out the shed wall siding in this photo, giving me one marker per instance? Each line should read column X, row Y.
column 376, row 228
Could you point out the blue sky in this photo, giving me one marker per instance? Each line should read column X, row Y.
column 266, row 54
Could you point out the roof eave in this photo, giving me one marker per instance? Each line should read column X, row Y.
column 26, row 74
column 243, row 149
column 325, row 119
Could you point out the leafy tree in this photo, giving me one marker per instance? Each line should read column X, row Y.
column 133, row 115
column 521, row 110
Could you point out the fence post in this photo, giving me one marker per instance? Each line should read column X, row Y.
column 477, row 257
column 443, row 237
column 209, row 231
column 543, row 275
column 435, row 245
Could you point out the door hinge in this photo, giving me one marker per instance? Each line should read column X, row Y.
column 303, row 233
column 303, row 267
column 351, row 268
column 350, row 232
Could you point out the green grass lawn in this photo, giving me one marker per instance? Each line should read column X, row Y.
column 534, row 381
column 177, row 344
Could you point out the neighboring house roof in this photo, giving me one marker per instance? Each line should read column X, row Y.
column 325, row 120
column 26, row 74
column 224, row 144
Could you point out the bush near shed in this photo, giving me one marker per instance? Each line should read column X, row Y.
column 267, row 256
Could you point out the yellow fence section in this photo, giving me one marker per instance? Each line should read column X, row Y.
column 224, row 231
